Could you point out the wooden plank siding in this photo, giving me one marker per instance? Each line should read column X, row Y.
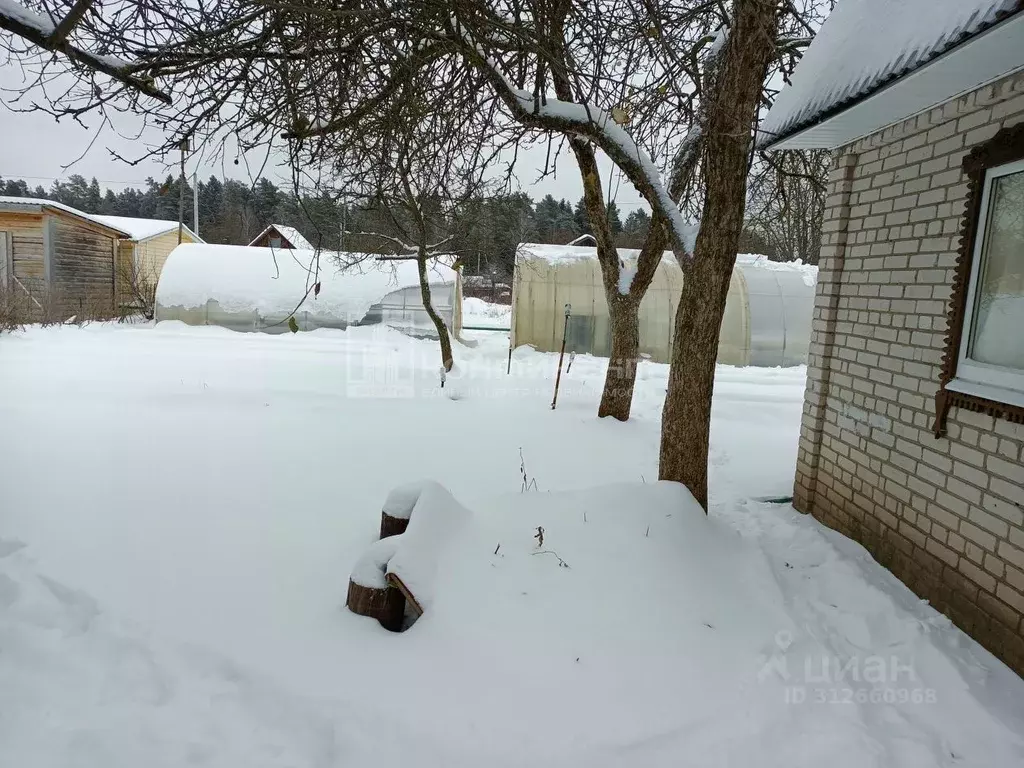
column 82, row 267
column 25, row 232
column 125, row 273
column 151, row 254
column 140, row 265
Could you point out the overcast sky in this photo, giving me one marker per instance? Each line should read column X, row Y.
column 34, row 147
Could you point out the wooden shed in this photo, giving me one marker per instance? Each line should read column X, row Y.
column 58, row 262
column 280, row 236
column 142, row 254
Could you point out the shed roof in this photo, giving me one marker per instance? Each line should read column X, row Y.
column 291, row 234
column 125, row 226
column 38, row 204
column 140, row 229
column 866, row 46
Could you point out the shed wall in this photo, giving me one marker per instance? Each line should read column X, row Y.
column 151, row 254
column 81, row 267
column 945, row 515
column 25, row 232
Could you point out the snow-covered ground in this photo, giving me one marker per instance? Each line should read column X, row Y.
column 180, row 509
column 484, row 314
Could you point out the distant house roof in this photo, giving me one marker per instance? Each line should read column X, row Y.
column 291, row 234
column 124, row 226
column 141, row 229
column 584, row 239
column 876, row 62
column 38, row 204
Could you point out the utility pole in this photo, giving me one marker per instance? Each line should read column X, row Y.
column 195, row 201
column 183, row 146
column 341, row 234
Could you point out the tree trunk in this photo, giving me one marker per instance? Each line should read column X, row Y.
column 617, row 397
column 686, row 419
column 734, row 98
column 442, row 330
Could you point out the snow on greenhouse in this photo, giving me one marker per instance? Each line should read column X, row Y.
column 767, row 314
column 258, row 289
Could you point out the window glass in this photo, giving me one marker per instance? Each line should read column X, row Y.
column 997, row 335
column 275, row 242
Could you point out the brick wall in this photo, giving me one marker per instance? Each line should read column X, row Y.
column 945, row 515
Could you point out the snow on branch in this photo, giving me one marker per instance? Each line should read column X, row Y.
column 37, row 29
column 590, row 122
column 409, row 252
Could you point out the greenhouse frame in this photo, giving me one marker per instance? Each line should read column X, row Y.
column 767, row 318
column 258, row 289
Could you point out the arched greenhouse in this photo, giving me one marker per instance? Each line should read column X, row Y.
column 258, row 289
column 767, row 315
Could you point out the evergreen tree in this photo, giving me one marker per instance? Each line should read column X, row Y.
column 580, row 214
column 547, row 216
column 487, row 230
column 613, row 217
column 93, row 197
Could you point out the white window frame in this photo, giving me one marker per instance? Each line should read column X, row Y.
column 992, row 382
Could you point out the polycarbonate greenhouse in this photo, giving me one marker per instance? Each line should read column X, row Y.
column 767, row 315
column 258, row 289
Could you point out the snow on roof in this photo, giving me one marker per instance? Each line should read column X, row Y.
column 34, row 203
column 127, row 226
column 584, row 238
column 865, row 44
column 139, row 229
column 291, row 234
column 809, row 272
column 557, row 255
column 273, row 280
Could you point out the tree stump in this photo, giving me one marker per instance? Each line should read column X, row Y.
column 369, row 593
column 385, row 604
column 398, row 507
column 392, row 526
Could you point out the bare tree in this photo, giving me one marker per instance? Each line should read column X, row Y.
column 669, row 90
column 415, row 167
column 787, row 203
column 58, row 29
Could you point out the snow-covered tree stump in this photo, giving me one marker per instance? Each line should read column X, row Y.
column 392, row 526
column 370, row 594
column 386, row 605
column 397, row 509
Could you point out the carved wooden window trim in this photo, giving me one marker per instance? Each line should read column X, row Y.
column 1005, row 147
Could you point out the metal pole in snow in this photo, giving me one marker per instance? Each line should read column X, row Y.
column 195, row 201
column 183, row 146
column 558, row 376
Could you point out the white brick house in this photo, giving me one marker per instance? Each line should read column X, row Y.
column 913, row 424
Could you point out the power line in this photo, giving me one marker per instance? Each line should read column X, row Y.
column 18, row 176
